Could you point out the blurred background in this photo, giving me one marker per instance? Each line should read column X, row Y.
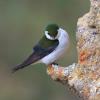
column 22, row 23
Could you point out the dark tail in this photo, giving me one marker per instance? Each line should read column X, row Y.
column 20, row 66
column 31, row 59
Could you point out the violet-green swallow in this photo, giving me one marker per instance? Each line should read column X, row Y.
column 50, row 48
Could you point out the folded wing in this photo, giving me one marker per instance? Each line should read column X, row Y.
column 38, row 53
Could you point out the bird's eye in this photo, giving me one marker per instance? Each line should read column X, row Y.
column 48, row 33
column 49, row 36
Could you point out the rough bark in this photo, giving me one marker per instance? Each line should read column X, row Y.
column 84, row 77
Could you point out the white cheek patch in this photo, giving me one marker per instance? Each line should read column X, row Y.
column 50, row 37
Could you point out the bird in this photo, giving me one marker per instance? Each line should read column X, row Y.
column 51, row 46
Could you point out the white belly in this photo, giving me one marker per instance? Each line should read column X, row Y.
column 60, row 50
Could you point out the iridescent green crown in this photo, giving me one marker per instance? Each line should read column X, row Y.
column 52, row 29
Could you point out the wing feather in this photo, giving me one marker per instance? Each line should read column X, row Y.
column 38, row 53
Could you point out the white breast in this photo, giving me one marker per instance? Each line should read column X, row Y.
column 60, row 50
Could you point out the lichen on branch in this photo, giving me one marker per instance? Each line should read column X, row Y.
column 84, row 76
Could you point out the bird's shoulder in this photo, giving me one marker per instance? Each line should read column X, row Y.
column 45, row 45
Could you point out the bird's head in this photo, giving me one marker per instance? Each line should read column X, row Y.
column 51, row 31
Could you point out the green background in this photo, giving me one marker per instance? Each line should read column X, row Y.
column 22, row 23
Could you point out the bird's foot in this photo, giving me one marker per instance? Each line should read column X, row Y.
column 55, row 64
column 51, row 68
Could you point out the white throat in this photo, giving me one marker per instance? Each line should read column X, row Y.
column 63, row 35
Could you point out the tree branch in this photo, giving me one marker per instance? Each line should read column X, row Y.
column 84, row 76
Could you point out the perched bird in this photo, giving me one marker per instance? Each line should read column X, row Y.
column 50, row 48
